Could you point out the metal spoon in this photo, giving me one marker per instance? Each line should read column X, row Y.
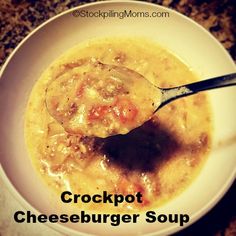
column 98, row 112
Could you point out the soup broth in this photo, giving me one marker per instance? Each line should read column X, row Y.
column 158, row 159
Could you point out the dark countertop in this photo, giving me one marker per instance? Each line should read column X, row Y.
column 19, row 17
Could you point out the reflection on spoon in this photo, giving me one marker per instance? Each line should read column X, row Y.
column 95, row 99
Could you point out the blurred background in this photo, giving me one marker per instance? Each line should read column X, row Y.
column 19, row 17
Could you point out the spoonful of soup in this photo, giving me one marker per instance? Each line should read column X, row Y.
column 90, row 98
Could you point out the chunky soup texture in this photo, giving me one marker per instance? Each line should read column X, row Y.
column 158, row 159
column 91, row 98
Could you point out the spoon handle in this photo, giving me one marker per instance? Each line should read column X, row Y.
column 170, row 94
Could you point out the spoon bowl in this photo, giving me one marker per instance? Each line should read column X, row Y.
column 90, row 98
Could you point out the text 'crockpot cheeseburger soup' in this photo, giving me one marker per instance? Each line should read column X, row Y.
column 159, row 159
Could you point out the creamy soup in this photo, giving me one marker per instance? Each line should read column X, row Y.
column 159, row 159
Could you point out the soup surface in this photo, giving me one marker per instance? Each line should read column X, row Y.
column 158, row 159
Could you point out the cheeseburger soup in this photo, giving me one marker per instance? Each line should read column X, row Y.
column 159, row 159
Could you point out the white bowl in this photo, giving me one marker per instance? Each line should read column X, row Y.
column 177, row 33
